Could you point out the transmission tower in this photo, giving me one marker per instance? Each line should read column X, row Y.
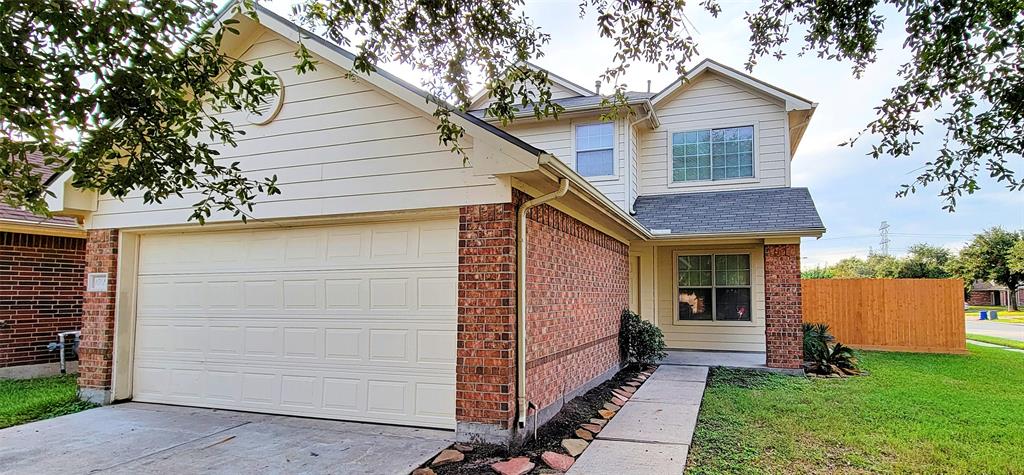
column 884, row 232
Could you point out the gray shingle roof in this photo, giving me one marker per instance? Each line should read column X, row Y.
column 582, row 102
column 768, row 210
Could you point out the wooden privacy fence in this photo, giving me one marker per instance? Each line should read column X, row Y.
column 921, row 315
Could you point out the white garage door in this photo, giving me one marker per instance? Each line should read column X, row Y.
column 352, row 322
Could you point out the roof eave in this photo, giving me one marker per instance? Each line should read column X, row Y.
column 808, row 232
column 552, row 163
column 573, row 110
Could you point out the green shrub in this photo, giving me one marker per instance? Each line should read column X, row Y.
column 824, row 355
column 640, row 341
column 816, row 340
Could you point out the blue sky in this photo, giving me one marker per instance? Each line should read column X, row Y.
column 853, row 192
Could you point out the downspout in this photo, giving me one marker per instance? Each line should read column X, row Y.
column 563, row 187
column 629, row 168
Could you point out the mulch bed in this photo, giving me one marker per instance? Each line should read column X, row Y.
column 549, row 436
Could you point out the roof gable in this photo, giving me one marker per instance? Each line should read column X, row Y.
column 561, row 88
column 790, row 100
column 389, row 83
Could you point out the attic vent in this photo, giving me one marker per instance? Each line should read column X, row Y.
column 270, row 107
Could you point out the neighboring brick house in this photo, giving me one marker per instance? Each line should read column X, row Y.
column 391, row 283
column 989, row 294
column 41, row 281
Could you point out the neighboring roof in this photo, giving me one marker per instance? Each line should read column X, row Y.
column 792, row 101
column 770, row 210
column 981, row 285
column 46, row 172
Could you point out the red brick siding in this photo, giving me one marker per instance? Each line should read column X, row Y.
column 485, row 357
column 783, row 305
column 578, row 280
column 578, row 284
column 96, row 350
column 981, row 297
column 41, row 283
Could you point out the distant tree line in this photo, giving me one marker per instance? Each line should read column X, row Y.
column 923, row 261
column 995, row 255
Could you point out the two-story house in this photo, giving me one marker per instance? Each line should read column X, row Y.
column 391, row 282
column 704, row 165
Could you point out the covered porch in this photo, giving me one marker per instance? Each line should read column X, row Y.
column 721, row 278
column 729, row 302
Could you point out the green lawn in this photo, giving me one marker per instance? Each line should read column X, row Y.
column 996, row 340
column 1003, row 313
column 29, row 400
column 914, row 413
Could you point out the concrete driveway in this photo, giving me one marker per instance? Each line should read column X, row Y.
column 1010, row 331
column 150, row 438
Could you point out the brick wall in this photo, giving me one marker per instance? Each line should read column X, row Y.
column 485, row 355
column 578, row 280
column 41, row 283
column 783, row 306
column 578, row 284
column 981, row 297
column 96, row 350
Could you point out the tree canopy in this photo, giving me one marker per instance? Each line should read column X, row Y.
column 923, row 261
column 993, row 255
column 126, row 94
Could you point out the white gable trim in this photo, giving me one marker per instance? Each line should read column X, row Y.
column 791, row 101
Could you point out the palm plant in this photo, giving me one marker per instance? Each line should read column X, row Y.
column 824, row 355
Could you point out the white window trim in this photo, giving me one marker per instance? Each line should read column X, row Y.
column 755, row 147
column 675, row 289
column 615, row 150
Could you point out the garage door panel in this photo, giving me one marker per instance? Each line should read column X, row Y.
column 357, row 246
column 367, row 342
column 354, row 322
column 420, row 293
column 401, row 398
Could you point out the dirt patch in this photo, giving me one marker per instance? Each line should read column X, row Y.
column 574, row 413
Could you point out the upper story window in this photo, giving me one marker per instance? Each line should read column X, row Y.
column 713, row 154
column 595, row 155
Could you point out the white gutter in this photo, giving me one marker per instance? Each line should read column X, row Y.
column 521, row 240
column 629, row 150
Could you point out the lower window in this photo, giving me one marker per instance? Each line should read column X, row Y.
column 714, row 287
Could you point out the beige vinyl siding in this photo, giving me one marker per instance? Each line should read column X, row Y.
column 338, row 146
column 713, row 101
column 557, row 138
column 732, row 336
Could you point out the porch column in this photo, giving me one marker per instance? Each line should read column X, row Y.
column 95, row 352
column 485, row 360
column 783, row 306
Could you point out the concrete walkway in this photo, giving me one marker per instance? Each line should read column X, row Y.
column 651, row 434
column 990, row 345
column 136, row 438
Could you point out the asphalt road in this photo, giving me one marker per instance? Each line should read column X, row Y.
column 1010, row 331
